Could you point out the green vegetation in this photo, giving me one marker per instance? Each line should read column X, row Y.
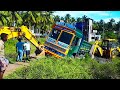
column 52, row 68
column 111, row 35
column 10, row 50
column 92, row 42
column 67, row 68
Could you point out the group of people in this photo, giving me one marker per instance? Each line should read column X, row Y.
column 22, row 48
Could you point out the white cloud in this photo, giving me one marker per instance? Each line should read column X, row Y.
column 108, row 19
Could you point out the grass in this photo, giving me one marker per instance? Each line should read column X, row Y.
column 92, row 42
column 67, row 68
column 52, row 68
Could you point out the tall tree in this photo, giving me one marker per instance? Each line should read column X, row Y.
column 79, row 19
column 62, row 18
column 95, row 25
column 112, row 24
column 57, row 18
column 68, row 18
column 84, row 17
column 3, row 18
column 72, row 20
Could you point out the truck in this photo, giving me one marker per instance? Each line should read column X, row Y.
column 66, row 40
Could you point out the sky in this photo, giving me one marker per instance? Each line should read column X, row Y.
column 96, row 15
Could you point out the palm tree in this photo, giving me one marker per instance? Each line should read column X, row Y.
column 29, row 18
column 112, row 24
column 79, row 19
column 84, row 17
column 68, row 18
column 62, row 18
column 15, row 18
column 3, row 18
column 72, row 20
column 95, row 25
column 56, row 18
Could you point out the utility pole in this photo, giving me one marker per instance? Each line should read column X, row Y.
column 82, row 26
column 103, row 30
column 119, row 25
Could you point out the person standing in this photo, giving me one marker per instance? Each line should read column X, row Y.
column 27, row 49
column 3, row 61
column 19, row 50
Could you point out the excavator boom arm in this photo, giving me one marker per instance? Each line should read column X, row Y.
column 97, row 47
column 22, row 31
column 29, row 36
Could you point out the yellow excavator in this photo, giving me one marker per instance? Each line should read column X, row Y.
column 109, row 48
column 23, row 31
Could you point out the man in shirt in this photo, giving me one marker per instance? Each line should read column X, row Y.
column 19, row 50
column 27, row 49
column 3, row 61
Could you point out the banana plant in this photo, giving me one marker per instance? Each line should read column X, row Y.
column 3, row 18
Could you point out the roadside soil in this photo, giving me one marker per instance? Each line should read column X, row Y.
column 12, row 67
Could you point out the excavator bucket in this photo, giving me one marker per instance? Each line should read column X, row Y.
column 40, row 52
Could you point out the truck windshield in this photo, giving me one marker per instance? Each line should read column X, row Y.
column 65, row 37
column 55, row 33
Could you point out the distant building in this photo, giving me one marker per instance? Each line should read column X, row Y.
column 93, row 35
column 88, row 31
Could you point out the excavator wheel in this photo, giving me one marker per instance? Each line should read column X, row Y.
column 114, row 53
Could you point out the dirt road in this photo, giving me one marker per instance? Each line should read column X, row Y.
column 13, row 67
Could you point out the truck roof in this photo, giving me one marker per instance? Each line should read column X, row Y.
column 60, row 27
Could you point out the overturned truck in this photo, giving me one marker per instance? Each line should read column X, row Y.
column 66, row 40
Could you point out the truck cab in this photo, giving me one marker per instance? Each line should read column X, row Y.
column 59, row 41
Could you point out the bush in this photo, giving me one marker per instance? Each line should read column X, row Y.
column 67, row 68
column 10, row 50
column 107, row 70
column 111, row 35
column 52, row 68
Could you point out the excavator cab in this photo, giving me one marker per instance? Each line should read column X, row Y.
column 107, row 44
